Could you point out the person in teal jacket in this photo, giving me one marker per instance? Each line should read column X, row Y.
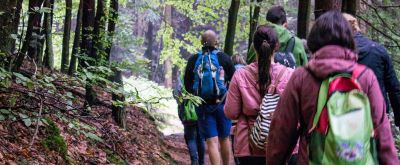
column 276, row 18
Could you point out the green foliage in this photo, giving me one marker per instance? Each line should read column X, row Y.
column 54, row 141
column 114, row 158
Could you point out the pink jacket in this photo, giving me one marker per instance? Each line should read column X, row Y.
column 243, row 103
column 298, row 105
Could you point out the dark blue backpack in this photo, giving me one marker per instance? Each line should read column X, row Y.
column 207, row 81
column 286, row 58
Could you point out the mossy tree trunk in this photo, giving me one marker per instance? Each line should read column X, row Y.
column 98, row 33
column 49, row 53
column 254, row 15
column 232, row 21
column 67, row 35
column 77, row 41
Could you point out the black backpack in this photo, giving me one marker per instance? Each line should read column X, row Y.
column 286, row 58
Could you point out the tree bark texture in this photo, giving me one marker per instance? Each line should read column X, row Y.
column 350, row 6
column 232, row 21
column 149, row 51
column 67, row 35
column 303, row 18
column 77, row 40
column 254, row 15
column 322, row 6
column 114, row 7
column 49, row 54
column 98, row 33
column 87, row 29
column 118, row 112
column 30, row 43
column 9, row 24
column 168, row 63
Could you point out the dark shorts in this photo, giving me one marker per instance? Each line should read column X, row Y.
column 213, row 122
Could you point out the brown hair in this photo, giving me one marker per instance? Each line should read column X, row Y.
column 238, row 59
column 330, row 28
column 265, row 41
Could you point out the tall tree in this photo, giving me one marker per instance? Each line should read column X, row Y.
column 66, row 37
column 77, row 40
column 254, row 15
column 9, row 20
column 118, row 112
column 88, row 16
column 322, row 6
column 98, row 32
column 30, row 43
column 303, row 18
column 232, row 21
column 350, row 6
column 49, row 54
column 168, row 61
column 149, row 51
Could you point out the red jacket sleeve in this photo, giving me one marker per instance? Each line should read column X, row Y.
column 283, row 133
column 233, row 102
column 385, row 144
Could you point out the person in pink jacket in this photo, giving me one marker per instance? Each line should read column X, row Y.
column 332, row 44
column 246, row 90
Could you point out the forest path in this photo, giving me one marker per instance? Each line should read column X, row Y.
column 177, row 149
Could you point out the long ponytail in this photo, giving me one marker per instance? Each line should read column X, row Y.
column 265, row 40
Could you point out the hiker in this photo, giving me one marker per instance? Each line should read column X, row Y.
column 377, row 58
column 193, row 138
column 332, row 44
column 202, row 78
column 276, row 17
column 238, row 61
column 247, row 89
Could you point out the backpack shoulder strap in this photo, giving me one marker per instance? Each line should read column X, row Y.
column 322, row 99
column 358, row 71
column 272, row 87
column 290, row 44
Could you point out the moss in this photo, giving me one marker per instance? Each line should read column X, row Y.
column 114, row 158
column 54, row 141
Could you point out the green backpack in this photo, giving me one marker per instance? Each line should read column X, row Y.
column 189, row 111
column 342, row 131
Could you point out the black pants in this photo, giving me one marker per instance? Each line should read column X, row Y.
column 250, row 160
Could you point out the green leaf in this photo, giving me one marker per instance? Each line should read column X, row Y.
column 5, row 111
column 2, row 118
column 27, row 122
column 93, row 136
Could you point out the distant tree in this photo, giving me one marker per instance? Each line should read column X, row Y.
column 350, row 6
column 303, row 20
column 254, row 15
column 30, row 43
column 168, row 61
column 77, row 40
column 232, row 21
column 88, row 17
column 9, row 20
column 49, row 53
column 114, row 7
column 98, row 32
column 66, row 38
column 322, row 6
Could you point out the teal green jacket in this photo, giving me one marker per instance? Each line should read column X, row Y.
column 284, row 36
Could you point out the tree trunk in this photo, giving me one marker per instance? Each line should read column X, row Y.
column 350, row 6
column 9, row 24
column 254, row 22
column 303, row 18
column 87, row 28
column 49, row 57
column 66, row 37
column 77, row 41
column 322, row 6
column 149, row 51
column 118, row 112
column 98, row 33
column 30, row 43
column 112, row 25
column 168, row 62
column 230, row 32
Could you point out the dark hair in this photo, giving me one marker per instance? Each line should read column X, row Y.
column 276, row 15
column 330, row 28
column 265, row 40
